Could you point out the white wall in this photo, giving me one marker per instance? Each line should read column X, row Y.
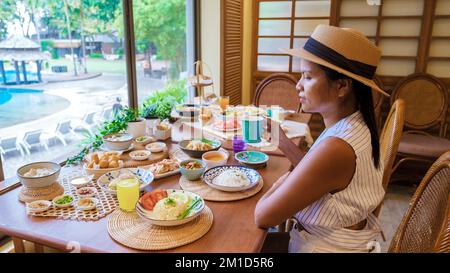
column 210, row 39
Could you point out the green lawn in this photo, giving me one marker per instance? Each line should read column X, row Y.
column 93, row 65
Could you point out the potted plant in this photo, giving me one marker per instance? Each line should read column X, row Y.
column 136, row 124
column 150, row 113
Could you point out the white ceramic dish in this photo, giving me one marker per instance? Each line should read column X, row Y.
column 145, row 214
column 105, row 148
column 86, row 192
column 41, row 181
column 45, row 206
column 145, row 178
column 140, row 155
column 214, row 163
column 209, row 176
column 93, row 206
column 62, row 205
column 156, row 147
column 167, row 174
column 144, row 140
column 117, row 142
column 81, row 181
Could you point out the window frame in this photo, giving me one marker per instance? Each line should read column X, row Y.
column 192, row 12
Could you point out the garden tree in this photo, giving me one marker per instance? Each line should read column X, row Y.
column 34, row 9
column 7, row 11
column 66, row 12
column 163, row 23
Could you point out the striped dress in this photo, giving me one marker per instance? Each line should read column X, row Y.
column 325, row 219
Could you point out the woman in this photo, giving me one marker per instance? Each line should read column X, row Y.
column 334, row 188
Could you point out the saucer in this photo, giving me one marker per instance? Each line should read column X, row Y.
column 106, row 149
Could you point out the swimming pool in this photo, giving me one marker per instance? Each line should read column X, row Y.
column 19, row 105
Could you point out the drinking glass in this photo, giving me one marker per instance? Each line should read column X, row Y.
column 128, row 194
column 224, row 101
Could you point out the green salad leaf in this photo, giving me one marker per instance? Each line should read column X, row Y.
column 185, row 213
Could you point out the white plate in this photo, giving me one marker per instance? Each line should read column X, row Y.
column 45, row 202
column 145, row 178
column 93, row 189
column 95, row 200
column 158, row 176
column 160, row 147
column 209, row 176
column 143, row 213
column 64, row 205
column 106, row 149
column 295, row 129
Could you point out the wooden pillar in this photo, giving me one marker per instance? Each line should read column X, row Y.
column 39, row 67
column 2, row 70
column 16, row 67
column 24, row 71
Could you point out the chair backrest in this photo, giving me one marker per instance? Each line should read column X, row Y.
column 33, row 137
column 89, row 118
column 64, row 127
column 426, row 101
column 426, row 225
column 8, row 143
column 278, row 89
column 389, row 141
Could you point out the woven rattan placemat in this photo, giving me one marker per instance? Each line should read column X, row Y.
column 107, row 202
column 132, row 231
column 206, row 192
column 45, row 193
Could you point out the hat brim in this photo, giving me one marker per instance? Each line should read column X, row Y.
column 301, row 53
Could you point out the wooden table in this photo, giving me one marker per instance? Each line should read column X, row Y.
column 233, row 229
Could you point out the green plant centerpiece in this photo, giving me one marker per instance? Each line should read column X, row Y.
column 159, row 104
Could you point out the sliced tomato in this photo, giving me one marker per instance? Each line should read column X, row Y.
column 157, row 195
column 146, row 201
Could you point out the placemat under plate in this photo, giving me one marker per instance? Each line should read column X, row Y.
column 28, row 195
column 206, row 192
column 128, row 229
column 107, row 202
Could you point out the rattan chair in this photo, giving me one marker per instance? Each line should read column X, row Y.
column 426, row 225
column 278, row 89
column 389, row 141
column 426, row 103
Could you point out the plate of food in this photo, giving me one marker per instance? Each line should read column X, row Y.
column 63, row 201
column 99, row 163
column 38, row 206
column 164, row 168
column 108, row 181
column 251, row 158
column 188, row 110
column 144, row 140
column 87, row 203
column 169, row 207
column 231, row 178
column 227, row 125
column 197, row 147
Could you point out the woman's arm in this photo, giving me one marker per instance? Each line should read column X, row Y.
column 328, row 168
column 289, row 148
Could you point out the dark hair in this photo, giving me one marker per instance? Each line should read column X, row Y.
column 363, row 94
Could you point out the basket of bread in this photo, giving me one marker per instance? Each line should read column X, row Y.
column 99, row 163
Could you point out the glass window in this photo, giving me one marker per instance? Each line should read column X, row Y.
column 64, row 73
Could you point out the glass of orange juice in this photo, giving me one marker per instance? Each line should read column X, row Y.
column 224, row 101
column 128, row 193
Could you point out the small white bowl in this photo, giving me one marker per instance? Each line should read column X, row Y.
column 93, row 206
column 45, row 205
column 62, row 205
column 89, row 192
column 144, row 140
column 118, row 142
column 207, row 158
column 156, row 147
column 140, row 154
column 81, row 181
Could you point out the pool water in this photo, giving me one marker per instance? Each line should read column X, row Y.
column 23, row 105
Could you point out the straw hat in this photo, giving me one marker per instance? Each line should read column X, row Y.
column 342, row 49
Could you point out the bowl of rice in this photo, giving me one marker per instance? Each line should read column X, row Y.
column 231, row 178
